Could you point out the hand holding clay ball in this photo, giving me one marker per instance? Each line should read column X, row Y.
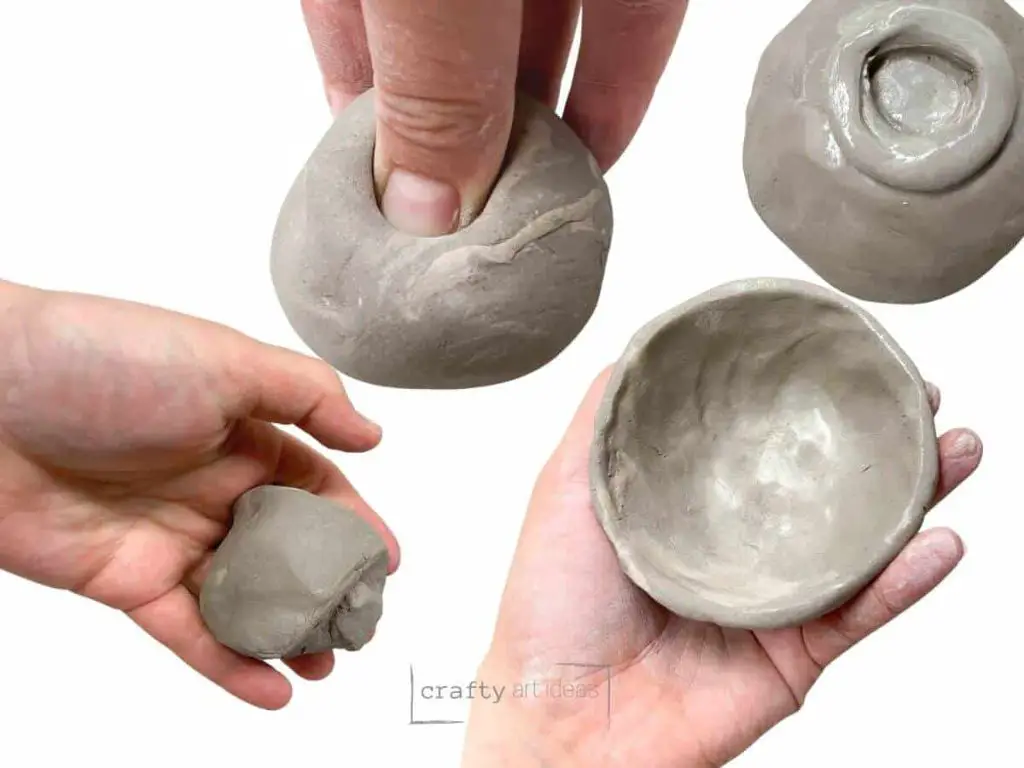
column 684, row 692
column 128, row 433
column 450, row 230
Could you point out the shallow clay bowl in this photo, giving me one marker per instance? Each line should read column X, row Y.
column 762, row 452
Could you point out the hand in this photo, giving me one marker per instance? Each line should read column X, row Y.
column 683, row 693
column 127, row 432
column 446, row 74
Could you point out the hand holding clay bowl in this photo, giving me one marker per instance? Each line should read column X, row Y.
column 763, row 452
column 728, row 480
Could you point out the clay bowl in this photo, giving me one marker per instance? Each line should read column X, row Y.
column 884, row 143
column 761, row 453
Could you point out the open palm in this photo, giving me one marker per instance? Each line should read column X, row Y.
column 665, row 692
column 127, row 432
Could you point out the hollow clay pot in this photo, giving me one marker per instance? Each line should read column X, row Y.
column 296, row 574
column 761, row 453
column 496, row 300
column 884, row 145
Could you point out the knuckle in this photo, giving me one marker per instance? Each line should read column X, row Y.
column 439, row 124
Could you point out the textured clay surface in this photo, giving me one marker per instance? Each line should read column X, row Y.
column 296, row 574
column 884, row 145
column 494, row 301
column 761, row 453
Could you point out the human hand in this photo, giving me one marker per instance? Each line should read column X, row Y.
column 683, row 693
column 127, row 432
column 446, row 72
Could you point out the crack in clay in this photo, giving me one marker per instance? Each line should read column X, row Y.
column 505, row 251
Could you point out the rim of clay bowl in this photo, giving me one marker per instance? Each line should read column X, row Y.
column 920, row 163
column 660, row 586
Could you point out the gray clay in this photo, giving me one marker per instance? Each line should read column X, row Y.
column 296, row 574
column 496, row 300
column 884, row 145
column 761, row 453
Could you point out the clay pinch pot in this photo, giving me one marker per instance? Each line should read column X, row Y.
column 884, row 143
column 296, row 574
column 496, row 300
column 761, row 453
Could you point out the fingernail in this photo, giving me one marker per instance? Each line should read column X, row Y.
column 420, row 206
column 374, row 428
column 965, row 445
column 942, row 546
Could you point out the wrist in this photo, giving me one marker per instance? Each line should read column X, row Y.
column 531, row 726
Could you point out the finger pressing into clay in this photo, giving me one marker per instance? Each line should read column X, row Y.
column 444, row 77
column 278, row 385
column 920, row 567
column 174, row 620
column 338, row 34
column 624, row 47
column 960, row 453
column 548, row 30
column 313, row 666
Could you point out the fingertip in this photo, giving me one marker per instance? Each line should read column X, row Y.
column 312, row 667
column 371, row 433
column 928, row 559
column 941, row 545
column 336, row 425
column 961, row 445
column 394, row 551
column 420, row 206
column 259, row 684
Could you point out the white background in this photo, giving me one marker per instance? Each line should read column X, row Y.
column 144, row 151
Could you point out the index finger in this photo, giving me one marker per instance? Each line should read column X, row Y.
column 278, row 385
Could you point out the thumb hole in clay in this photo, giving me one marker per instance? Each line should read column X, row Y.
column 921, row 97
column 494, row 301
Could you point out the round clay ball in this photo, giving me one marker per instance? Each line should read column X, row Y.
column 296, row 574
column 494, row 301
column 761, row 453
column 884, row 144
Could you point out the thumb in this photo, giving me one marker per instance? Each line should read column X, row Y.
column 444, row 77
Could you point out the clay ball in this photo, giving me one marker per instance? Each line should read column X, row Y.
column 494, row 301
column 296, row 574
column 761, row 453
column 884, row 144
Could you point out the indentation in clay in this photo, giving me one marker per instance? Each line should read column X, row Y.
column 882, row 144
column 492, row 302
column 761, row 453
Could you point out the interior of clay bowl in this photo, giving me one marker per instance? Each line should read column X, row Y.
column 918, row 90
column 766, row 451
